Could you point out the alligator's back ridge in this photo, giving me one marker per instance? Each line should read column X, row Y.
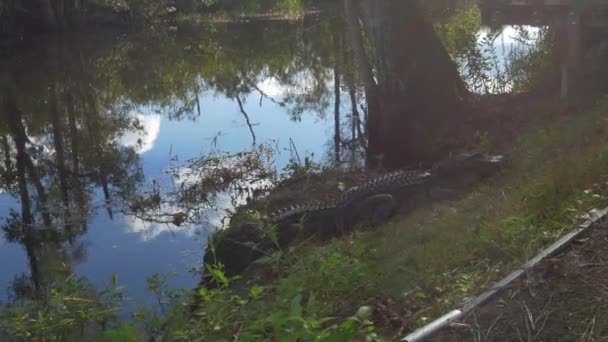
column 386, row 183
column 464, row 168
column 300, row 209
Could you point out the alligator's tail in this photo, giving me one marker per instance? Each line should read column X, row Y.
column 299, row 209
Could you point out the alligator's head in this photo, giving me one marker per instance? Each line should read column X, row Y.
column 467, row 168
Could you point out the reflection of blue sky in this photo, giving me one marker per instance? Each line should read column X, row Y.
column 134, row 250
column 111, row 251
column 220, row 117
column 12, row 256
column 150, row 248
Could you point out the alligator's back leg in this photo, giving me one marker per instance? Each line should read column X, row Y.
column 377, row 208
column 341, row 223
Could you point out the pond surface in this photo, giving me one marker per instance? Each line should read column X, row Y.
column 139, row 108
column 94, row 125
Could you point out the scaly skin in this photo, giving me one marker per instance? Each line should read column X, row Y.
column 349, row 199
column 300, row 209
column 459, row 171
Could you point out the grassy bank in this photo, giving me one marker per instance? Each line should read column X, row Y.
column 368, row 284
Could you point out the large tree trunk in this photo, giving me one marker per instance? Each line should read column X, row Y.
column 47, row 14
column 8, row 165
column 60, row 14
column 417, row 90
column 364, row 68
column 58, row 142
column 56, row 14
column 12, row 116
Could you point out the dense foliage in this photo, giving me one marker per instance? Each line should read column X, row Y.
column 62, row 15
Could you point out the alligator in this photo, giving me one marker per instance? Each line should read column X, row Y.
column 376, row 200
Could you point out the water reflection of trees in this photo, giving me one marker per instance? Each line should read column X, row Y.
column 59, row 148
column 419, row 100
column 87, row 79
column 67, row 101
column 487, row 63
column 206, row 189
column 311, row 60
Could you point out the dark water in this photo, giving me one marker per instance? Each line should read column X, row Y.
column 102, row 133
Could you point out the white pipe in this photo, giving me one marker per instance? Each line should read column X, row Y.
column 433, row 327
column 422, row 333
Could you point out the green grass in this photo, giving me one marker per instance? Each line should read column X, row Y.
column 443, row 253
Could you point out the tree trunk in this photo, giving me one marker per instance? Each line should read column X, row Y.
column 60, row 14
column 48, row 15
column 13, row 117
column 337, row 138
column 58, row 142
column 418, row 90
column 80, row 198
column 364, row 67
column 8, row 165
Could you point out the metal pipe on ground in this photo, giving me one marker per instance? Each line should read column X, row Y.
column 430, row 329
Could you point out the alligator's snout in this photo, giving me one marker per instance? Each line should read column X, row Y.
column 466, row 169
column 479, row 156
column 481, row 161
column 498, row 158
column 467, row 160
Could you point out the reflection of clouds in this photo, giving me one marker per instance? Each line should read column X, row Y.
column 509, row 35
column 207, row 215
column 501, row 47
column 150, row 230
column 300, row 83
column 142, row 140
column 224, row 201
column 271, row 87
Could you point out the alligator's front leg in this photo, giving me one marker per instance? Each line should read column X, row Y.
column 376, row 208
column 345, row 219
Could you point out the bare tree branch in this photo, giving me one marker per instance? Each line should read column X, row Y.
column 238, row 100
